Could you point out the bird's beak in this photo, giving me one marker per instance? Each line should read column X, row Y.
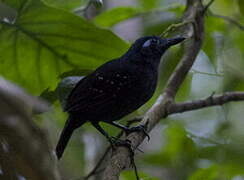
column 174, row 41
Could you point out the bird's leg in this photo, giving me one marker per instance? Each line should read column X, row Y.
column 118, row 142
column 113, row 140
column 127, row 130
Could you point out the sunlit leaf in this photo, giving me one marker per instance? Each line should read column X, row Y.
column 115, row 15
column 128, row 175
column 210, row 173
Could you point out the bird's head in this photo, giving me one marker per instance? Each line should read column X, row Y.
column 152, row 47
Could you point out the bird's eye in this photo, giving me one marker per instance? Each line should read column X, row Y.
column 150, row 42
column 154, row 41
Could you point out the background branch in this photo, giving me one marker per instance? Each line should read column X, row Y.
column 207, row 102
column 25, row 147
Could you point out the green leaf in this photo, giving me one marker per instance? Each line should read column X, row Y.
column 238, row 38
column 64, row 4
column 76, row 72
column 225, row 7
column 217, row 171
column 209, row 47
column 115, row 15
column 44, row 42
column 146, row 4
column 179, row 148
column 214, row 24
column 241, row 6
column 185, row 89
column 210, row 173
column 157, row 159
column 129, row 174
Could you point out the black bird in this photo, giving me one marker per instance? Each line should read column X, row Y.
column 116, row 88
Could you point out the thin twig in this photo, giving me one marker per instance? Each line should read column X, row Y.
column 208, row 5
column 173, row 27
column 212, row 100
column 206, row 73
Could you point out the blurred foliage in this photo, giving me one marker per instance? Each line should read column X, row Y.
column 45, row 47
column 67, row 5
column 119, row 14
column 127, row 175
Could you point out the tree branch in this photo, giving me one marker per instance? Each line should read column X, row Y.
column 207, row 102
column 97, row 169
column 25, row 147
column 121, row 156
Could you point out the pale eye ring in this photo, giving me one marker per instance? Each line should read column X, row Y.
column 150, row 42
column 147, row 43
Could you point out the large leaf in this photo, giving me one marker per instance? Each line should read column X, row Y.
column 44, row 42
column 115, row 15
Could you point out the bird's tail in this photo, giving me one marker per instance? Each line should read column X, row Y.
column 64, row 137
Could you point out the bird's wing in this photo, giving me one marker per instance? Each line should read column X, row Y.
column 96, row 91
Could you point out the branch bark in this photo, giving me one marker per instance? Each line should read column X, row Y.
column 193, row 13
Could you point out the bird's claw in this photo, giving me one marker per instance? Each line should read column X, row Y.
column 140, row 128
column 115, row 142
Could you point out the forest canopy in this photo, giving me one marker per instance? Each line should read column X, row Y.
column 196, row 130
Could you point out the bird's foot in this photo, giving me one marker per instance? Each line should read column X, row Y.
column 140, row 128
column 115, row 142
